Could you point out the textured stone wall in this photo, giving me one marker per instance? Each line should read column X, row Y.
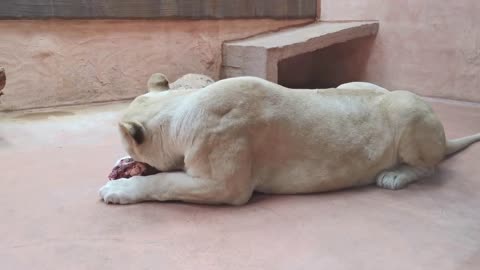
column 56, row 62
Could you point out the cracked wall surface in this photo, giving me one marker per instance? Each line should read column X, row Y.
column 56, row 62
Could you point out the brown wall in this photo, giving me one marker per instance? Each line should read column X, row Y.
column 69, row 62
column 426, row 46
column 429, row 46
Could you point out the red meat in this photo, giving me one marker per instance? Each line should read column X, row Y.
column 129, row 167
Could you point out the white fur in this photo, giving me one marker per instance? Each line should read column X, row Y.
column 120, row 160
column 362, row 86
column 246, row 134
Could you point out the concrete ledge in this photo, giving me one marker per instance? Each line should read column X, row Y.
column 259, row 55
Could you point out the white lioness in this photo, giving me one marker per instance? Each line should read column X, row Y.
column 219, row 144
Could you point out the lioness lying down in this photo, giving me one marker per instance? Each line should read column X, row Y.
column 219, row 144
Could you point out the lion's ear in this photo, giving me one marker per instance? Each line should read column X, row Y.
column 133, row 130
column 158, row 82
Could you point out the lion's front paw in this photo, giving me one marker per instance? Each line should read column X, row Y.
column 122, row 191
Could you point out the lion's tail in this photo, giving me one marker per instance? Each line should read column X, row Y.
column 456, row 145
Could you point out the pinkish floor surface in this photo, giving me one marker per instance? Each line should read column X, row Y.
column 52, row 164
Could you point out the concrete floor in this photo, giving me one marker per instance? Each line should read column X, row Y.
column 51, row 217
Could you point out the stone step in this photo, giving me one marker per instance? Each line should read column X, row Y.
column 259, row 55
